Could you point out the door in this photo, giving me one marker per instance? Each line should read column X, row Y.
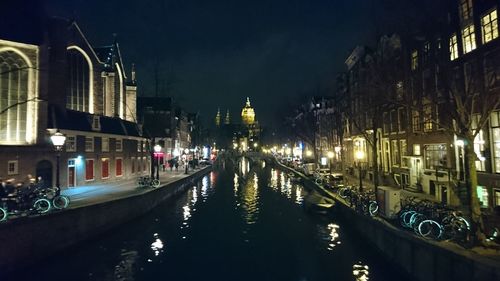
column 44, row 173
column 415, row 168
column 71, row 173
column 444, row 194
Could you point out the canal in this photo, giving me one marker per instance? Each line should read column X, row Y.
column 236, row 223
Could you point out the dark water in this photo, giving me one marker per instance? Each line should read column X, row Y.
column 235, row 224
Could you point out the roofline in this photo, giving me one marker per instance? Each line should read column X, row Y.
column 87, row 41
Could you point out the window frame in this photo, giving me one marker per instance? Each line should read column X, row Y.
column 118, row 148
column 469, row 38
column 119, row 159
column 15, row 171
column 89, row 148
column 86, row 169
column 492, row 25
column 71, row 143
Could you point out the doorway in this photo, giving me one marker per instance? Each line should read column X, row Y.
column 44, row 173
column 71, row 173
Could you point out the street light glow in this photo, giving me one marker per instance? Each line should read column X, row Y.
column 330, row 154
column 360, row 154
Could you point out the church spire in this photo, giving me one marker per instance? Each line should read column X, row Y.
column 227, row 120
column 217, row 118
column 248, row 102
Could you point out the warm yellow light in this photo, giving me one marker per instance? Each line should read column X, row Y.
column 330, row 154
column 360, row 154
column 288, row 151
column 309, row 153
column 255, row 145
column 337, row 149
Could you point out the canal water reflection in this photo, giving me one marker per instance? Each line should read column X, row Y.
column 237, row 223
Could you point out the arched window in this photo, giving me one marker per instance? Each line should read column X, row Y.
column 14, row 81
column 78, row 93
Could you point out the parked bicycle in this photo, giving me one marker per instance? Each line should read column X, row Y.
column 148, row 182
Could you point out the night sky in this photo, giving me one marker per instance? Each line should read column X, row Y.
column 213, row 54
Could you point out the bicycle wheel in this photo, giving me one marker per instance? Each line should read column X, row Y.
column 3, row 214
column 42, row 205
column 343, row 192
column 155, row 183
column 405, row 218
column 430, row 229
column 60, row 202
column 318, row 181
column 373, row 208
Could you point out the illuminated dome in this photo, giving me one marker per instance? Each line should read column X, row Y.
column 248, row 114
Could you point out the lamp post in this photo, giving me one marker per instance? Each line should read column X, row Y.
column 186, row 152
column 58, row 140
column 157, row 149
column 359, row 156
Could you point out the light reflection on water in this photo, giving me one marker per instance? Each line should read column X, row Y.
column 250, row 200
column 360, row 272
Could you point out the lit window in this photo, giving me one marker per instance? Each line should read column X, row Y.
column 468, row 38
column 14, row 81
column 105, row 144
column 435, row 156
column 78, row 92
column 453, row 47
column 482, row 195
column 118, row 166
column 139, row 146
column 70, row 143
column 495, row 129
column 89, row 169
column 414, row 60
column 497, row 197
column 12, row 167
column 428, row 118
column 465, row 9
column 105, row 168
column 89, row 144
column 119, row 145
column 403, row 153
column 489, row 25
column 96, row 123
column 395, row 153
column 416, row 149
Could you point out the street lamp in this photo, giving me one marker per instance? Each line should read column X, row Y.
column 359, row 156
column 186, row 152
column 58, row 140
column 157, row 149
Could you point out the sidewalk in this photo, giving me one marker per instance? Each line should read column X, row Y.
column 102, row 192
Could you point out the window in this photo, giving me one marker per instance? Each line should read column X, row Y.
column 105, row 168
column 96, row 123
column 144, row 144
column 414, row 60
column 70, row 143
column 401, row 120
column 453, row 47
column 479, row 144
column 403, row 148
column 139, row 146
column 118, row 166
column 468, row 38
column 427, row 51
column 427, row 118
column 14, row 81
column 497, row 197
column 89, row 144
column 386, row 121
column 489, row 26
column 465, row 9
column 491, row 63
column 416, row 121
column 118, row 144
column 78, row 92
column 145, row 164
column 399, row 90
column 394, row 121
column 105, row 144
column 89, row 169
column 132, row 161
column 495, row 130
column 395, row 153
column 435, row 156
column 482, row 195
column 416, row 149
column 12, row 167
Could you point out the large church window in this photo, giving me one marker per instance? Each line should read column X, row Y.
column 78, row 93
column 14, row 79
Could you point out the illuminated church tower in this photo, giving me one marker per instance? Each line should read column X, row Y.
column 227, row 120
column 217, row 118
column 248, row 114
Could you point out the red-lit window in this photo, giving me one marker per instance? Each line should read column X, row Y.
column 105, row 168
column 118, row 167
column 89, row 169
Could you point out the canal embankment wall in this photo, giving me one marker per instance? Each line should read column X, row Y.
column 27, row 240
column 422, row 259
